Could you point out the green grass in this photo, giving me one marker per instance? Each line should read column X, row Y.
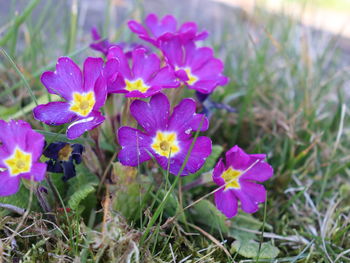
column 288, row 86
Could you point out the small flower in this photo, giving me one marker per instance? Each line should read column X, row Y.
column 195, row 66
column 143, row 79
column 83, row 95
column 154, row 28
column 103, row 45
column 99, row 44
column 20, row 151
column 165, row 135
column 63, row 157
column 238, row 176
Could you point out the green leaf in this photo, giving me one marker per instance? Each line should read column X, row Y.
column 250, row 249
column 80, row 195
column 206, row 213
column 211, row 160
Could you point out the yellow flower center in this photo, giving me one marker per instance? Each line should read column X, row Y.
column 231, row 177
column 191, row 78
column 138, row 84
column 165, row 143
column 19, row 162
column 83, row 103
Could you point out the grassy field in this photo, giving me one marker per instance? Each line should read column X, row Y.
column 290, row 86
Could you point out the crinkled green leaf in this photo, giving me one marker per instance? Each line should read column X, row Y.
column 80, row 195
column 206, row 213
column 250, row 249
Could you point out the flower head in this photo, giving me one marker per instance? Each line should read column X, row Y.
column 195, row 66
column 165, row 137
column 237, row 181
column 84, row 95
column 63, row 157
column 20, row 151
column 154, row 28
column 143, row 79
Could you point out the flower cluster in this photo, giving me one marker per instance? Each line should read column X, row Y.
column 169, row 135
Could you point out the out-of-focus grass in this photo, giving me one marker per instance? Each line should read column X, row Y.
column 339, row 5
column 288, row 85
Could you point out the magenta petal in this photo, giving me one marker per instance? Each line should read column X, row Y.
column 201, row 150
column 37, row 172
column 173, row 50
column 92, row 70
column 36, row 139
column 100, row 90
column 54, row 113
column 70, row 74
column 218, row 170
column 184, row 120
column 151, row 116
column 165, row 78
column 77, row 128
column 124, row 68
column 9, row 185
column 11, row 135
column 137, row 28
column 110, row 73
column 144, row 66
column 260, row 172
column 198, row 56
column 135, row 146
column 237, row 158
column 226, row 202
column 250, row 196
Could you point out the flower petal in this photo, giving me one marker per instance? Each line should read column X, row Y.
column 217, row 172
column 54, row 113
column 37, row 172
column 92, row 71
column 124, row 68
column 135, row 146
column 35, row 144
column 137, row 28
column 201, row 150
column 250, row 195
column 151, row 116
column 144, row 66
column 226, row 202
column 100, row 90
column 260, row 172
column 237, row 158
column 77, row 128
column 65, row 80
column 9, row 185
column 184, row 120
column 164, row 78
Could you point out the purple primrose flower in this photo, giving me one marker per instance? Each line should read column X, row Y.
column 165, row 135
column 154, row 28
column 143, row 79
column 84, row 95
column 238, row 176
column 195, row 66
column 20, row 151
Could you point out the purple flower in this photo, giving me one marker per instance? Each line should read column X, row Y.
column 103, row 45
column 84, row 95
column 240, row 185
column 195, row 66
column 165, row 135
column 143, row 79
column 99, row 44
column 20, row 151
column 154, row 28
